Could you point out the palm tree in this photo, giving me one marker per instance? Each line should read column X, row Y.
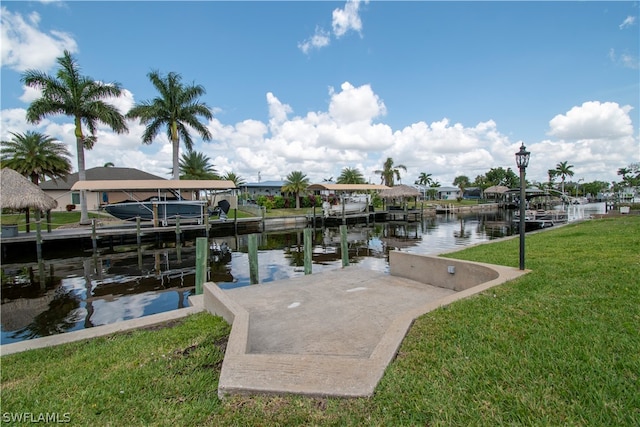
column 237, row 179
column 390, row 172
column 80, row 97
column 36, row 155
column 424, row 179
column 195, row 165
column 296, row 183
column 433, row 192
column 350, row 176
column 563, row 170
column 177, row 108
column 462, row 182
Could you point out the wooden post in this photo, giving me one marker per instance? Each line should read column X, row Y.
column 49, row 221
column 177, row 229
column 344, row 245
column 138, row 231
column 155, row 214
column 344, row 220
column 253, row 259
column 206, row 225
column 202, row 255
column 38, row 237
column 308, row 251
column 94, row 238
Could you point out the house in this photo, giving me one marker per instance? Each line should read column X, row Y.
column 447, row 193
column 60, row 189
column 253, row 190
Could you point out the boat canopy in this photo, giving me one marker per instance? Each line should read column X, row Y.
column 346, row 187
column 153, row 184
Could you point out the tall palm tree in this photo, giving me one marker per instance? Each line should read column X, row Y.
column 36, row 155
column 177, row 108
column 196, row 165
column 237, row 179
column 390, row 172
column 296, row 183
column 80, row 97
column 563, row 170
column 350, row 176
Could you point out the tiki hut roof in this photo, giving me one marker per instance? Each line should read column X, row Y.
column 17, row 192
column 398, row 191
column 496, row 189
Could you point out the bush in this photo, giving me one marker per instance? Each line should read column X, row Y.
column 70, row 207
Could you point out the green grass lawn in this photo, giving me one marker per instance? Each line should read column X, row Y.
column 558, row 346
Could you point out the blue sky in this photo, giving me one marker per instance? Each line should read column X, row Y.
column 446, row 88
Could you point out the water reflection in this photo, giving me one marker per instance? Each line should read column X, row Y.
column 107, row 287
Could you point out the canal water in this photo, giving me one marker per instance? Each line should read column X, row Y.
column 91, row 289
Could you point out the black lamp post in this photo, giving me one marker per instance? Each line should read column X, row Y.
column 522, row 160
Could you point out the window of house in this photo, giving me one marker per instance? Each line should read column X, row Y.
column 75, row 198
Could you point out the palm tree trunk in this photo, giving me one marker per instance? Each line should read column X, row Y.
column 175, row 142
column 84, row 214
column 176, row 167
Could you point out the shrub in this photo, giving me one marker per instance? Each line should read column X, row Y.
column 70, row 207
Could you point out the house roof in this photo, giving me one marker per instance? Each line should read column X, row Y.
column 154, row 184
column 263, row 184
column 346, row 187
column 99, row 174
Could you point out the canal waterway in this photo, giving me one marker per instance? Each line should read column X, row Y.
column 85, row 290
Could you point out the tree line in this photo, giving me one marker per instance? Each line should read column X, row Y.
column 175, row 110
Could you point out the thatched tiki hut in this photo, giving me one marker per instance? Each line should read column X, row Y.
column 18, row 193
column 496, row 192
column 400, row 192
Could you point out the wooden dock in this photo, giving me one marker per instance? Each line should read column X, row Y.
column 105, row 235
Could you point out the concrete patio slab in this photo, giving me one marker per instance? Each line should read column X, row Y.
column 332, row 334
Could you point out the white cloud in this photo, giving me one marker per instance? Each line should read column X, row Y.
column 343, row 21
column 625, row 59
column 355, row 104
column 320, row 39
column 628, row 22
column 593, row 120
column 24, row 46
column 347, row 19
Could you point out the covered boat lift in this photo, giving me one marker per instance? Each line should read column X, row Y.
column 343, row 191
column 136, row 192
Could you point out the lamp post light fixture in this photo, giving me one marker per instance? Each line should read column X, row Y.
column 522, row 160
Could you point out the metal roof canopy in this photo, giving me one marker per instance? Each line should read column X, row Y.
column 164, row 184
column 346, row 187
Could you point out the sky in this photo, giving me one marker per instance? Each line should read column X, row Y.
column 444, row 88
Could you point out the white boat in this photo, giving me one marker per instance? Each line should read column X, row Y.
column 347, row 206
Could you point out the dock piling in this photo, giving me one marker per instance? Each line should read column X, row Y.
column 308, row 251
column 253, row 259
column 202, row 256
column 344, row 245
